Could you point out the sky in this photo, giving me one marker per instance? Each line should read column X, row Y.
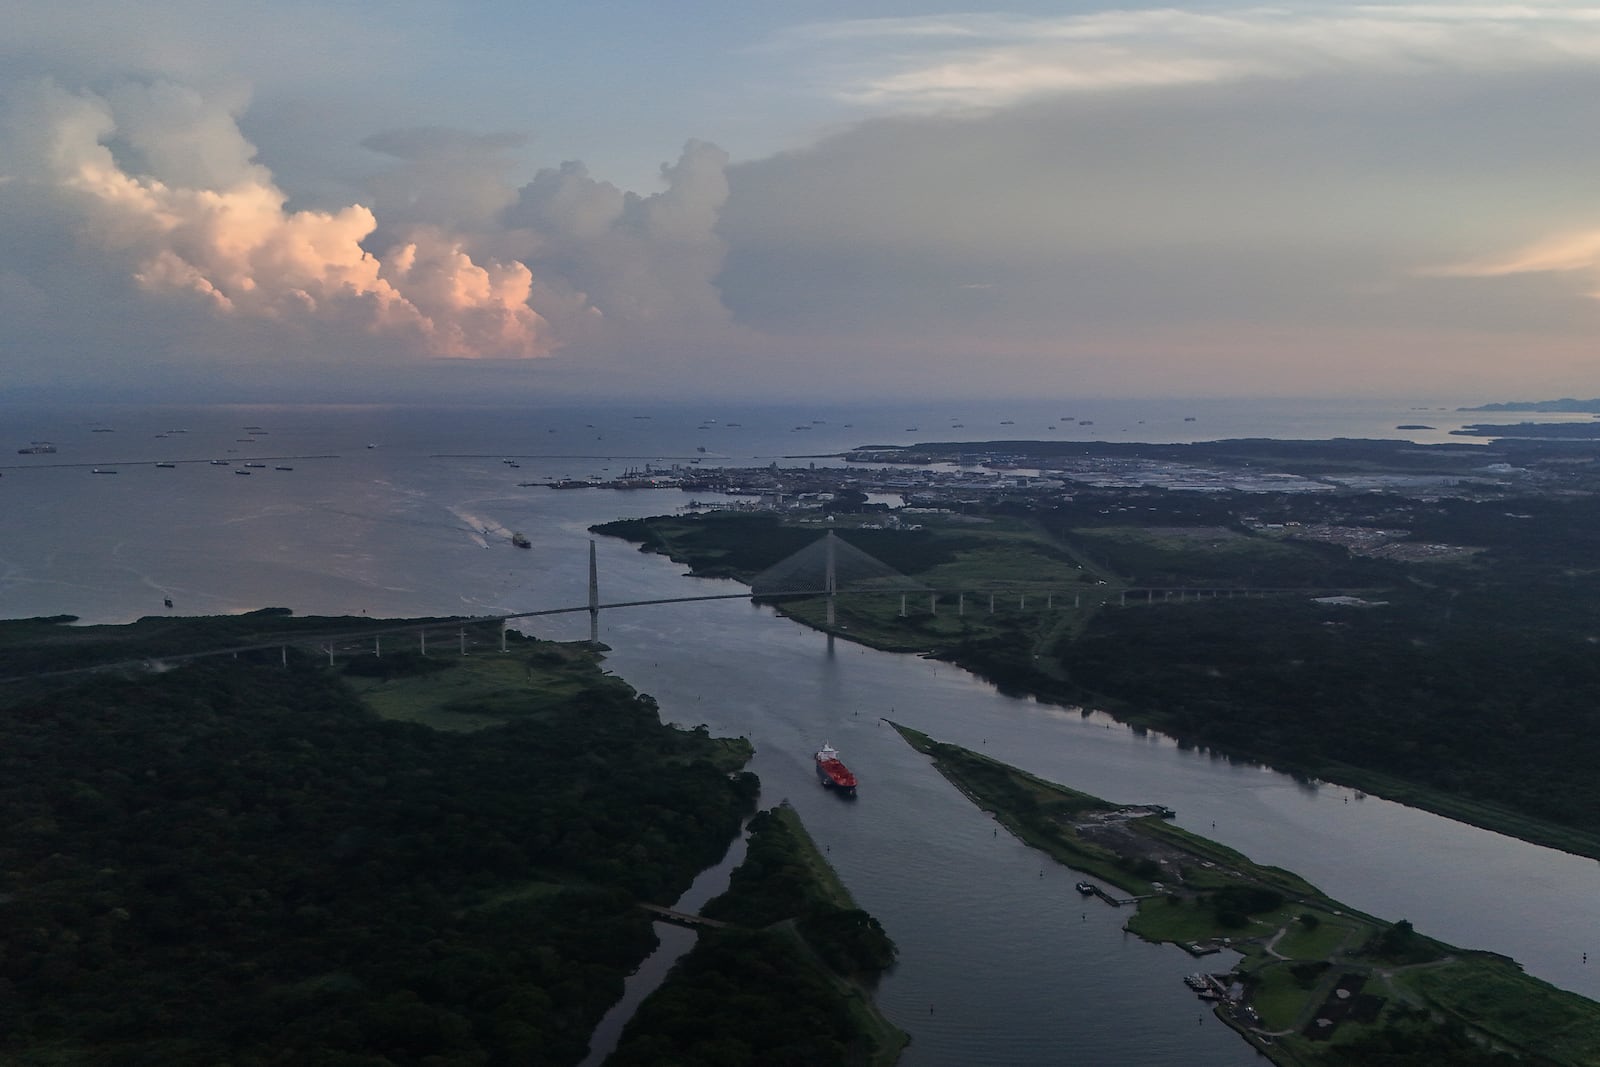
column 412, row 200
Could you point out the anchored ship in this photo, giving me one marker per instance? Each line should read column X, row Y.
column 832, row 773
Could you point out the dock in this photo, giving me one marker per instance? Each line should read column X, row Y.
column 1089, row 889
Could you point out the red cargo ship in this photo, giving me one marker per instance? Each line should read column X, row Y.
column 832, row 773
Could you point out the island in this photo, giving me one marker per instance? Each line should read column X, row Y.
column 1564, row 404
column 1306, row 980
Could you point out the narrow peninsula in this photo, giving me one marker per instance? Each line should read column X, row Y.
column 1306, row 980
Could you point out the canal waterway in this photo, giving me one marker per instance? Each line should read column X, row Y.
column 1001, row 961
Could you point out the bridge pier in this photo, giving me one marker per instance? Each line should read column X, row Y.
column 933, row 603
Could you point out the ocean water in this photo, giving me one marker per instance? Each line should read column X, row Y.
column 110, row 546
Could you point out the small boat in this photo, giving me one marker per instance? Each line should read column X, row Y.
column 283, row 468
column 219, row 463
column 520, row 540
column 168, row 465
column 260, row 465
column 1086, row 888
column 243, row 471
column 103, row 470
column 832, row 773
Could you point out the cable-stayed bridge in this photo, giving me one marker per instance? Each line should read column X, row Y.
column 828, row 567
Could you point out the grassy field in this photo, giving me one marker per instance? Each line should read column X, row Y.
column 472, row 692
column 1012, row 582
column 1297, row 945
column 1492, row 995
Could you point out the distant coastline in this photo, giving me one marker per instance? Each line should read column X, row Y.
column 1564, row 404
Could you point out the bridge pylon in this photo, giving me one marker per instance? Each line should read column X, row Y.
column 831, row 579
column 594, row 597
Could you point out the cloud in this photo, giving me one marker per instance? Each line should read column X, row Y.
column 1560, row 254
column 1279, row 235
column 1124, row 196
column 160, row 180
column 443, row 177
column 641, row 262
column 142, row 227
column 996, row 60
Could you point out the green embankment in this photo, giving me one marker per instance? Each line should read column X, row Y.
column 1389, row 994
column 789, row 982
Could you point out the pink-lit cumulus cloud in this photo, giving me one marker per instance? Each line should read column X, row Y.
column 160, row 180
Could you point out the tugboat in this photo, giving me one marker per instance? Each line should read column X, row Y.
column 833, row 774
column 520, row 540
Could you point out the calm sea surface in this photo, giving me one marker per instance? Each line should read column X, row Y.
column 1001, row 961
